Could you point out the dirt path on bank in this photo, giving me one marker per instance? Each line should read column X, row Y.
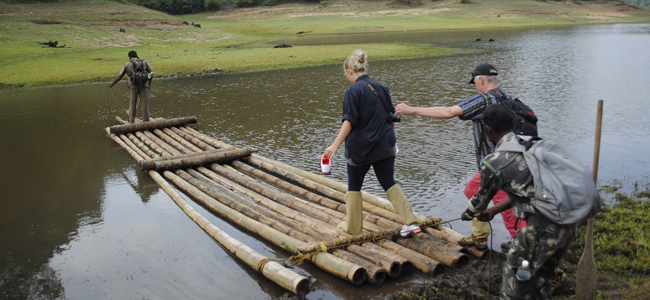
column 353, row 8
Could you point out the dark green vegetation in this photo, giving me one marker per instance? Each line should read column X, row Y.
column 621, row 248
column 176, row 7
column 641, row 3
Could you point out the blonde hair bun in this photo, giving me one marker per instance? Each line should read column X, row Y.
column 357, row 62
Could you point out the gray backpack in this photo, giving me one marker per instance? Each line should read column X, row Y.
column 565, row 191
column 139, row 76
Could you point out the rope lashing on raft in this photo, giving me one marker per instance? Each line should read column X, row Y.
column 308, row 252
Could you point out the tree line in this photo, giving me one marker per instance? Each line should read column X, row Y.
column 177, row 7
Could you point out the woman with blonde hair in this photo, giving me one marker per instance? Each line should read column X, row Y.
column 369, row 135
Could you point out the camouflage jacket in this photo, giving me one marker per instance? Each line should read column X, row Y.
column 509, row 172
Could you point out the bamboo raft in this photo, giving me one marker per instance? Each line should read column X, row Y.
column 295, row 210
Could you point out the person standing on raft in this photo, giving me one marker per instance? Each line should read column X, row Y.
column 136, row 89
column 369, row 135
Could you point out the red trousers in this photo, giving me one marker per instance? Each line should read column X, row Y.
column 509, row 218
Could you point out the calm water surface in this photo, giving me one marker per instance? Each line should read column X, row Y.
column 79, row 221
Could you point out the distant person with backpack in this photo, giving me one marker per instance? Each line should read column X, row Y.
column 551, row 224
column 484, row 78
column 140, row 75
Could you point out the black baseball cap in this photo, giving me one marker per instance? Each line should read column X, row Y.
column 133, row 54
column 484, row 69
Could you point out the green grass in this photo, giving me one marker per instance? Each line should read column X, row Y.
column 239, row 40
column 621, row 249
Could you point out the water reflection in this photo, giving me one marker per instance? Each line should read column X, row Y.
column 79, row 220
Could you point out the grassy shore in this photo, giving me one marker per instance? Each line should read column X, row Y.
column 621, row 252
column 241, row 39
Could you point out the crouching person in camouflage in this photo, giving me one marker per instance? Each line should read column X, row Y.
column 542, row 243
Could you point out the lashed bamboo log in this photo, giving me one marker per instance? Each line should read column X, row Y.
column 180, row 147
column 266, row 202
column 228, row 199
column 421, row 262
column 332, row 193
column 126, row 147
column 196, row 159
column 393, row 267
column 439, row 242
column 364, row 237
column 160, row 158
column 274, row 271
column 126, row 128
column 369, row 220
column 389, row 256
column 206, row 139
column 187, row 144
column 341, row 268
column 195, row 141
column 370, row 198
column 392, row 264
column 282, row 198
column 376, row 275
column 454, row 236
column 452, row 259
column 162, row 144
column 447, row 238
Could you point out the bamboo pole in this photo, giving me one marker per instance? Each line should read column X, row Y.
column 375, row 200
column 392, row 264
column 161, row 144
column 272, row 270
column 341, row 268
column 126, row 128
column 178, row 146
column 437, row 240
column 450, row 259
column 454, row 236
column 289, row 201
column 233, row 201
column 421, row 262
column 376, row 275
column 196, row 141
column 371, row 222
column 265, row 202
column 195, row 159
column 214, row 151
column 364, row 237
column 332, row 193
column 187, row 144
column 206, row 139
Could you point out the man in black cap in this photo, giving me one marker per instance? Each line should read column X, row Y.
column 136, row 88
column 484, row 78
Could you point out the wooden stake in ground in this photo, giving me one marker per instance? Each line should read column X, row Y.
column 586, row 278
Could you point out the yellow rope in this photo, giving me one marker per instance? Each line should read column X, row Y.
column 298, row 259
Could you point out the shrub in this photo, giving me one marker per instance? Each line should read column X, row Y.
column 212, row 5
column 245, row 3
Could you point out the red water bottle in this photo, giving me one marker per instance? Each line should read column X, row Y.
column 325, row 165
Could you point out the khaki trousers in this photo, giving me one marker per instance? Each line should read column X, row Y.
column 143, row 93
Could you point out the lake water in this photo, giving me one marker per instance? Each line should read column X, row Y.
column 79, row 221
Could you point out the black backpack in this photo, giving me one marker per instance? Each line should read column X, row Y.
column 525, row 121
column 140, row 76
